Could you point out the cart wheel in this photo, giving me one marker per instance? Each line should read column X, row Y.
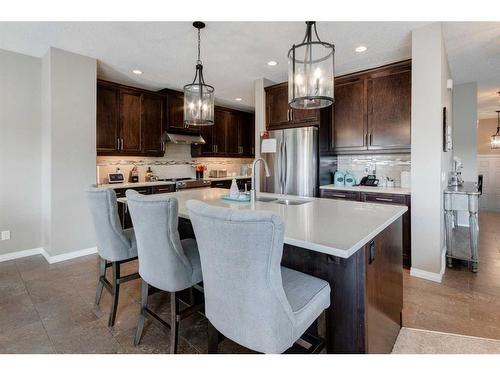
column 449, row 262
column 474, row 267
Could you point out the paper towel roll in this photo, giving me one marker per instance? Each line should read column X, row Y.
column 405, row 179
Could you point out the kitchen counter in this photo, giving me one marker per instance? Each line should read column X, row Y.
column 369, row 189
column 128, row 185
column 227, row 178
column 334, row 227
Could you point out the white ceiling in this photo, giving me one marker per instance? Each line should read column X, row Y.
column 474, row 56
column 235, row 54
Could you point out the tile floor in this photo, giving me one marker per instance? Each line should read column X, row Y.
column 50, row 308
column 464, row 303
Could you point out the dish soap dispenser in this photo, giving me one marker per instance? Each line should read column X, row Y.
column 234, row 192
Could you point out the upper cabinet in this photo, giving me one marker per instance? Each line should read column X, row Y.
column 232, row 135
column 279, row 115
column 372, row 111
column 129, row 121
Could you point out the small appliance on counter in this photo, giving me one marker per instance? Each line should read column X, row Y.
column 338, row 178
column 133, row 175
column 218, row 173
column 370, row 180
column 455, row 178
column 116, row 178
column 349, row 179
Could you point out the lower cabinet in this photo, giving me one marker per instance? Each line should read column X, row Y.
column 226, row 184
column 385, row 199
column 123, row 213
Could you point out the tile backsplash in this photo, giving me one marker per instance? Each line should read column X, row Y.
column 387, row 165
column 177, row 162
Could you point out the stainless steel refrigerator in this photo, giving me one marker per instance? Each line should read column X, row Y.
column 294, row 165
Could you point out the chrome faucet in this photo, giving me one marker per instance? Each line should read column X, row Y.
column 253, row 194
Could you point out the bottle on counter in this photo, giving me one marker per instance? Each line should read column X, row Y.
column 149, row 175
column 234, row 192
column 134, row 175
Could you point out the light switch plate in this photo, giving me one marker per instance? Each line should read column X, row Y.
column 5, row 235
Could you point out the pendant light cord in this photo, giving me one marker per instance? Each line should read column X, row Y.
column 199, row 48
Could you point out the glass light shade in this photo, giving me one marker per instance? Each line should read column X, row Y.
column 311, row 72
column 198, row 105
column 495, row 141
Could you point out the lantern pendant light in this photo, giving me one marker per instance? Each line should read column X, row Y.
column 198, row 96
column 495, row 138
column 311, row 71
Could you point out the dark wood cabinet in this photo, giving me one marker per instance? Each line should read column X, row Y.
column 129, row 120
column 152, row 120
column 372, row 111
column 383, row 198
column 279, row 115
column 232, row 135
column 174, row 119
column 389, row 103
column 349, row 116
column 108, row 118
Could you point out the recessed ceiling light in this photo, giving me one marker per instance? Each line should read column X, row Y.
column 361, row 49
column 238, row 99
column 272, row 63
column 137, row 71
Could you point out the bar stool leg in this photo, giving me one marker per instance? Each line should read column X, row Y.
column 213, row 339
column 174, row 323
column 115, row 292
column 100, row 285
column 142, row 314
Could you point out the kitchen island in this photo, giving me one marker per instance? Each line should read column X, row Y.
column 355, row 246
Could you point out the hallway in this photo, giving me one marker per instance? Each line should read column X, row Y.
column 464, row 303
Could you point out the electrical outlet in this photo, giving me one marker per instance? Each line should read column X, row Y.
column 5, row 235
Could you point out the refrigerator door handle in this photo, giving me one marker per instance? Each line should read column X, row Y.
column 281, row 166
column 285, row 166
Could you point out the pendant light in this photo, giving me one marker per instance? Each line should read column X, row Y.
column 311, row 71
column 495, row 138
column 198, row 96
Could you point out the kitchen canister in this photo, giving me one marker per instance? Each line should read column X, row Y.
column 338, row 178
column 405, row 179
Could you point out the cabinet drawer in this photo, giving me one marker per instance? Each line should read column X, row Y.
column 162, row 189
column 120, row 193
column 384, row 198
column 340, row 194
column 224, row 184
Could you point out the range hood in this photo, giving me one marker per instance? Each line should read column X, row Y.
column 184, row 138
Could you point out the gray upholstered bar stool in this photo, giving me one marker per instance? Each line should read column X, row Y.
column 114, row 245
column 165, row 262
column 249, row 297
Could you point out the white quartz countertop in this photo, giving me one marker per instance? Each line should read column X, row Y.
column 330, row 226
column 127, row 185
column 369, row 189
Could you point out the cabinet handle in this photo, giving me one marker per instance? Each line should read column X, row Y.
column 338, row 195
column 371, row 139
column 291, row 115
column 371, row 252
column 383, row 199
column 118, row 143
column 216, row 148
column 121, row 145
column 287, row 115
column 366, row 139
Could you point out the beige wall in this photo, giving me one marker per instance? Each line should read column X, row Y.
column 485, row 130
column 20, row 151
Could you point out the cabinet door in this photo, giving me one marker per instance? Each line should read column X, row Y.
column 325, row 130
column 219, row 130
column 152, row 117
column 246, row 134
column 389, row 103
column 207, row 133
column 175, row 111
column 303, row 116
column 130, row 118
column 108, row 118
column 349, row 120
column 277, row 109
column 232, row 128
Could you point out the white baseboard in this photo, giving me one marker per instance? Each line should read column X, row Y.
column 20, row 254
column 432, row 276
column 51, row 259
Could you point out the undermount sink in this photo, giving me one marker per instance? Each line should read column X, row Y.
column 290, row 202
column 266, row 199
